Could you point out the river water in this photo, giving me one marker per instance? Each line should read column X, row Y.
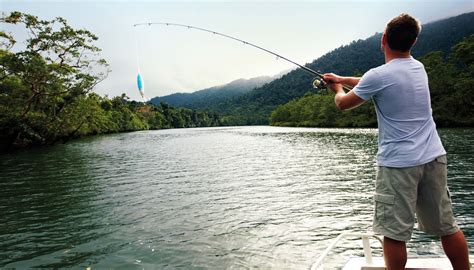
column 208, row 198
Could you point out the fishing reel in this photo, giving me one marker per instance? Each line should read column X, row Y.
column 319, row 84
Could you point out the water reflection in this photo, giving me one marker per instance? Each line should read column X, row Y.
column 234, row 197
column 46, row 206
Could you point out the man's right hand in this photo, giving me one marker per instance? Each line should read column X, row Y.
column 331, row 78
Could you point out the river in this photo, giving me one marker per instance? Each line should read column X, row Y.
column 208, row 198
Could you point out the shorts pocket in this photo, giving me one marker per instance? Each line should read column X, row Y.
column 383, row 207
column 442, row 159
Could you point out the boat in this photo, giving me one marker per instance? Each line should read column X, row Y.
column 371, row 262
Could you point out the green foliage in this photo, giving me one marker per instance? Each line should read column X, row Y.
column 316, row 110
column 450, row 80
column 207, row 99
column 255, row 107
column 46, row 89
column 42, row 86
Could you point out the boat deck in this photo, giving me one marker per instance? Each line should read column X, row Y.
column 425, row 263
column 370, row 262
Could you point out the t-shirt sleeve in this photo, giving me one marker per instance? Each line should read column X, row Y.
column 369, row 85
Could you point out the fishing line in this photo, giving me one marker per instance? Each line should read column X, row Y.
column 140, row 83
column 137, row 52
column 318, row 83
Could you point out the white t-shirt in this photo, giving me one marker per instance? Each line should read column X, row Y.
column 407, row 132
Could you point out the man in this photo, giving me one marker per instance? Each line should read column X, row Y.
column 412, row 171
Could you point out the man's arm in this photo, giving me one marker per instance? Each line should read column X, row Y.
column 343, row 100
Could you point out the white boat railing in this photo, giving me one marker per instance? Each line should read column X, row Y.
column 365, row 243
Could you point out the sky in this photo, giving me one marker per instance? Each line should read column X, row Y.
column 181, row 60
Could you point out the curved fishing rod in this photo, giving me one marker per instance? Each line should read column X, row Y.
column 316, row 83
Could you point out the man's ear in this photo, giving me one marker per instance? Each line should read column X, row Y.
column 414, row 42
column 383, row 42
column 384, row 39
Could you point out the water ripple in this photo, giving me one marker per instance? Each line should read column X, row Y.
column 238, row 197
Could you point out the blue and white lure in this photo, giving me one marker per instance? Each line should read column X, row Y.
column 141, row 85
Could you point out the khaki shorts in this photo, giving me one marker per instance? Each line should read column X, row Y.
column 402, row 192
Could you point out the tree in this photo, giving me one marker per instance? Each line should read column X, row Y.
column 451, row 79
column 42, row 85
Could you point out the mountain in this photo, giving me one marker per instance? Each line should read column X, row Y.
column 210, row 97
column 355, row 58
column 449, row 77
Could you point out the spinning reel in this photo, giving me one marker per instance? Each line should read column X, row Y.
column 319, row 84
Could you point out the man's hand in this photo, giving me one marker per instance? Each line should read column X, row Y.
column 336, row 87
column 343, row 100
column 331, row 78
column 334, row 82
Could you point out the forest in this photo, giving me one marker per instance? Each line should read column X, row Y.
column 46, row 90
column 450, row 79
column 207, row 99
column 353, row 59
column 47, row 82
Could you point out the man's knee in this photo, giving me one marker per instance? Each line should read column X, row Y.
column 395, row 253
column 391, row 240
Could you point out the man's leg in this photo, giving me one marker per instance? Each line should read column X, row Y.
column 395, row 206
column 435, row 213
column 394, row 253
column 455, row 247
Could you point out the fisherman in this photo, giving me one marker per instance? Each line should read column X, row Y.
column 412, row 166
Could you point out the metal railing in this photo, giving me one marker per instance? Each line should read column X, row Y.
column 365, row 243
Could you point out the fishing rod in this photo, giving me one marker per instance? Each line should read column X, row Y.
column 317, row 83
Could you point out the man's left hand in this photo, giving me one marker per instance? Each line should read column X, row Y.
column 336, row 87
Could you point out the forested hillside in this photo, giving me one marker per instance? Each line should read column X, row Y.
column 357, row 57
column 451, row 79
column 208, row 99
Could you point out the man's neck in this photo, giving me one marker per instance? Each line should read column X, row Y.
column 390, row 55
